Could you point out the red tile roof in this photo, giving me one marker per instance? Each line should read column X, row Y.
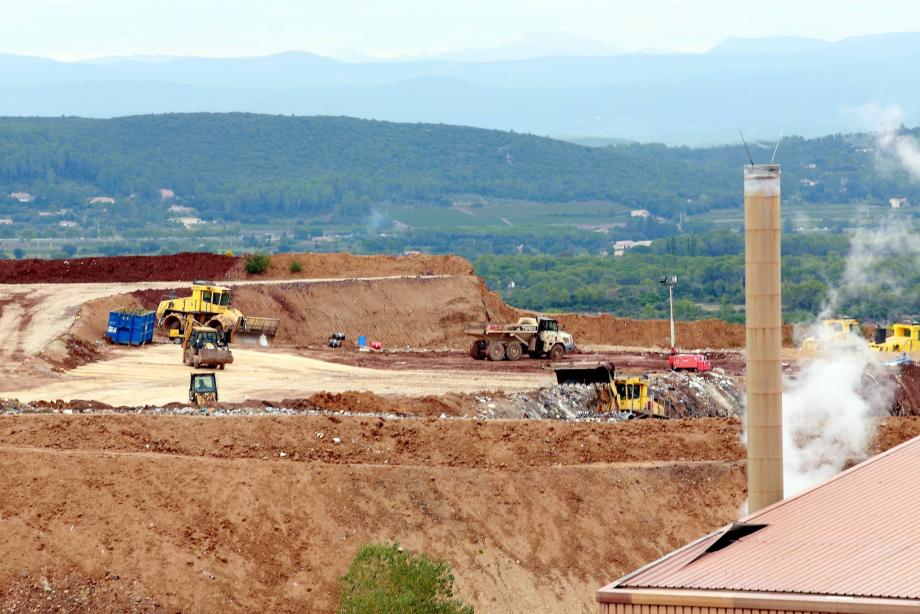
column 858, row 534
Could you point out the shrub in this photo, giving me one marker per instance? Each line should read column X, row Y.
column 257, row 263
column 383, row 578
column 296, row 267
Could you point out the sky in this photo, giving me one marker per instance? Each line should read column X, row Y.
column 353, row 29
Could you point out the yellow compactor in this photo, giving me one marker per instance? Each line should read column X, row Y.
column 615, row 392
column 209, row 305
column 833, row 330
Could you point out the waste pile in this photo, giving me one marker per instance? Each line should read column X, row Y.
column 703, row 395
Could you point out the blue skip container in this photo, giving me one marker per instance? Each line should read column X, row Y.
column 131, row 327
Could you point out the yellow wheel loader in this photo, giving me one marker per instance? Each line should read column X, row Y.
column 209, row 305
column 624, row 393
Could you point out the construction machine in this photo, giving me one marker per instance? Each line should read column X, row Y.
column 833, row 331
column 902, row 338
column 698, row 363
column 202, row 389
column 210, row 306
column 615, row 392
column 203, row 346
column 538, row 337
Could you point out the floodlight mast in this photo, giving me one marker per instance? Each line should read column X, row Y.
column 670, row 281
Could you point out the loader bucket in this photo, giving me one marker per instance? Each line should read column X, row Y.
column 252, row 330
column 585, row 374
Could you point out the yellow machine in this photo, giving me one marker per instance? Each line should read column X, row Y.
column 833, row 330
column 210, row 305
column 625, row 393
column 903, row 338
column 202, row 389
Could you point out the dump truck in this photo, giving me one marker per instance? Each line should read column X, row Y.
column 615, row 392
column 203, row 346
column 833, row 331
column 210, row 306
column 902, row 338
column 538, row 337
column 202, row 389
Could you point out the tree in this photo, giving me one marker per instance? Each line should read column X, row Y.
column 18, row 254
column 384, row 579
column 69, row 249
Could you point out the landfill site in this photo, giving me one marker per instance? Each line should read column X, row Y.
column 377, row 399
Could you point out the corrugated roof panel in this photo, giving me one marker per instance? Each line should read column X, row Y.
column 855, row 535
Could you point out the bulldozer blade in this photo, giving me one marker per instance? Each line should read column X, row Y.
column 585, row 374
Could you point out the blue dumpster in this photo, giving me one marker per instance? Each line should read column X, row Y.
column 131, row 326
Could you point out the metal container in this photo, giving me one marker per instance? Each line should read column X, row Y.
column 131, row 327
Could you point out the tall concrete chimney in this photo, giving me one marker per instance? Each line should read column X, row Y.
column 764, row 333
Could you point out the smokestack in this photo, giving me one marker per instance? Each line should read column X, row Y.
column 764, row 333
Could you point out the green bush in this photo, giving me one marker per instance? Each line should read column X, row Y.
column 257, row 263
column 383, row 578
column 296, row 267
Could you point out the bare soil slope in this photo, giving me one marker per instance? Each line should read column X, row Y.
column 205, row 514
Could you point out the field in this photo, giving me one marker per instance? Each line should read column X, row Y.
column 120, row 497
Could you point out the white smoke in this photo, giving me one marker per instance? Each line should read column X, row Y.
column 893, row 148
column 830, row 410
column 831, row 407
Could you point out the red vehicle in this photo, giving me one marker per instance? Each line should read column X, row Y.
column 689, row 362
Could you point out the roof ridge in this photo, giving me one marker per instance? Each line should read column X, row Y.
column 859, row 466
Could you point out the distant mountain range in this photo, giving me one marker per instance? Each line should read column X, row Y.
column 805, row 86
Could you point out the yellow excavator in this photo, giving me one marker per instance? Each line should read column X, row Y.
column 209, row 305
column 615, row 392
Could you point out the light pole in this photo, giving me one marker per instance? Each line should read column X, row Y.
column 670, row 281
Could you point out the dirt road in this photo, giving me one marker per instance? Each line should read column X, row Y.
column 155, row 375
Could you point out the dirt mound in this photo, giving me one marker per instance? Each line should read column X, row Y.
column 321, row 266
column 907, row 393
column 895, row 430
column 175, row 267
column 205, row 514
column 414, row 312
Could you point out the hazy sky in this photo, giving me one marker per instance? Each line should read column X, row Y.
column 76, row 29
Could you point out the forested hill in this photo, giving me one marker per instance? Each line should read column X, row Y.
column 231, row 165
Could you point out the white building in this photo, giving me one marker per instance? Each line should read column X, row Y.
column 23, row 197
column 102, row 200
column 639, row 213
column 898, row 203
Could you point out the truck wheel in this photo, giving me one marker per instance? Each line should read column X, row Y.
column 513, row 351
column 557, row 352
column 221, row 366
column 495, row 351
column 196, row 361
column 185, row 359
column 478, row 350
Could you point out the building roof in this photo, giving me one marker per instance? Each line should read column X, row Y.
column 856, row 535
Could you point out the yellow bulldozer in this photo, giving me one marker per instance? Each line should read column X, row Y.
column 209, row 305
column 615, row 392
column 902, row 338
column 833, row 331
